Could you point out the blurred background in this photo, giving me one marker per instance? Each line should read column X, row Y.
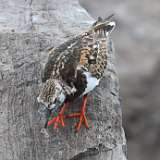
column 137, row 45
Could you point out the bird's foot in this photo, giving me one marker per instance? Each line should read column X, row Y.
column 82, row 116
column 82, row 120
column 58, row 120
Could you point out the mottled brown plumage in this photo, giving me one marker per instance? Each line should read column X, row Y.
column 88, row 52
column 78, row 63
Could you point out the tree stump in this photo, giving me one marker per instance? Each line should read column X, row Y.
column 27, row 30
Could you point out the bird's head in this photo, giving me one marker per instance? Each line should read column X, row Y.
column 52, row 94
column 103, row 27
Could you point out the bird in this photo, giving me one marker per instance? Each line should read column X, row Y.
column 73, row 70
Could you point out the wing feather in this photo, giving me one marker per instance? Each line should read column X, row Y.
column 62, row 60
column 76, row 54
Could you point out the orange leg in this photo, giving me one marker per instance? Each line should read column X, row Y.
column 82, row 115
column 60, row 118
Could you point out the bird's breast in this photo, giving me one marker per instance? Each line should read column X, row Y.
column 92, row 82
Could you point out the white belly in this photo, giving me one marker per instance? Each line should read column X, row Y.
column 92, row 82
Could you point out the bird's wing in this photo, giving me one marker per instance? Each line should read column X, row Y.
column 62, row 58
column 69, row 60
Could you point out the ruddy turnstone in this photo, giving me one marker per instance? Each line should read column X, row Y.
column 73, row 70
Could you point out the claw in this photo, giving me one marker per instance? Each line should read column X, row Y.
column 59, row 120
column 83, row 118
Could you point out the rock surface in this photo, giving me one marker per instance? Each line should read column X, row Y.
column 27, row 30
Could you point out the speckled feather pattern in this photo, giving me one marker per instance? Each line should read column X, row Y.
column 94, row 56
column 79, row 62
column 47, row 91
column 87, row 52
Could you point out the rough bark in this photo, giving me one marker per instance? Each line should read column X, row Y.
column 27, row 29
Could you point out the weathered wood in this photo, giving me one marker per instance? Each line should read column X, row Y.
column 22, row 55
